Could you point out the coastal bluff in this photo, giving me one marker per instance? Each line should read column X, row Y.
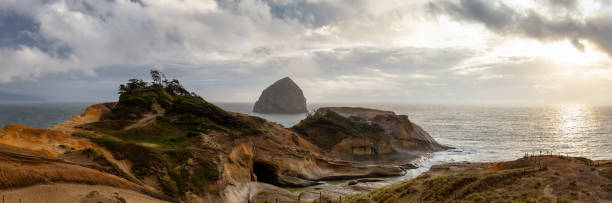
column 356, row 133
column 282, row 97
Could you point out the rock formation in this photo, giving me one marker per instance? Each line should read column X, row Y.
column 282, row 97
column 360, row 133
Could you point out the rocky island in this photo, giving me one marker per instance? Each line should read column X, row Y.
column 282, row 97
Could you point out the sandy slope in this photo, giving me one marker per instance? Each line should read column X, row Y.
column 65, row 193
column 28, row 173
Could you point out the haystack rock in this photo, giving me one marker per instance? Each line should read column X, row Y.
column 282, row 97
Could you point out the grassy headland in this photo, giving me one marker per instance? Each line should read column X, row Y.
column 530, row 179
column 159, row 128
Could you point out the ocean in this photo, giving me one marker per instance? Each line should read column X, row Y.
column 39, row 114
column 491, row 133
column 484, row 133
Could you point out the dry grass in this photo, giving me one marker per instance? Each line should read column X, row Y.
column 545, row 179
column 606, row 172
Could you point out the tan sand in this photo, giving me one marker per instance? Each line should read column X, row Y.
column 67, row 193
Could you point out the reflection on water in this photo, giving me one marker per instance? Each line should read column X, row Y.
column 573, row 119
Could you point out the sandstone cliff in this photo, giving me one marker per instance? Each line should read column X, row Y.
column 366, row 134
column 282, row 97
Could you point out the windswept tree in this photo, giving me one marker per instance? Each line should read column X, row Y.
column 131, row 85
column 157, row 77
column 173, row 87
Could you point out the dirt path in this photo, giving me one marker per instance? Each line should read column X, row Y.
column 148, row 118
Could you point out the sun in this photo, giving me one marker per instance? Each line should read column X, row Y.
column 561, row 53
column 566, row 53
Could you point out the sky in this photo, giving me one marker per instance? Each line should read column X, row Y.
column 534, row 51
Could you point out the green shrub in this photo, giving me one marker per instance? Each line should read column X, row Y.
column 335, row 128
column 131, row 106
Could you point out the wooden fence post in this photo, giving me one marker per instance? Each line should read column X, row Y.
column 320, row 197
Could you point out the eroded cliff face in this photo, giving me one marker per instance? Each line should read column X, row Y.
column 281, row 157
column 34, row 158
column 366, row 134
column 52, row 142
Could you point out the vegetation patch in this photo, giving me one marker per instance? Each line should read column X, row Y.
column 514, row 185
column 104, row 160
column 607, row 187
column 200, row 116
column 190, row 177
column 499, row 178
column 329, row 128
column 606, row 172
column 394, row 192
column 441, row 187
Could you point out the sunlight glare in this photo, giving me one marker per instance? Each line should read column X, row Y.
column 562, row 53
column 572, row 119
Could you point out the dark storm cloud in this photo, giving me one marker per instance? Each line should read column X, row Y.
column 18, row 29
column 139, row 2
column 563, row 3
column 501, row 18
column 312, row 13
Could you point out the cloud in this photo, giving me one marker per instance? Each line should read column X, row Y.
column 88, row 35
column 230, row 50
column 420, row 76
column 574, row 24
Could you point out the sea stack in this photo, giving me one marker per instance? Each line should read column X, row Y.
column 282, row 97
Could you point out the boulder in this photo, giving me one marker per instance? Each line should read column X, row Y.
column 282, row 97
